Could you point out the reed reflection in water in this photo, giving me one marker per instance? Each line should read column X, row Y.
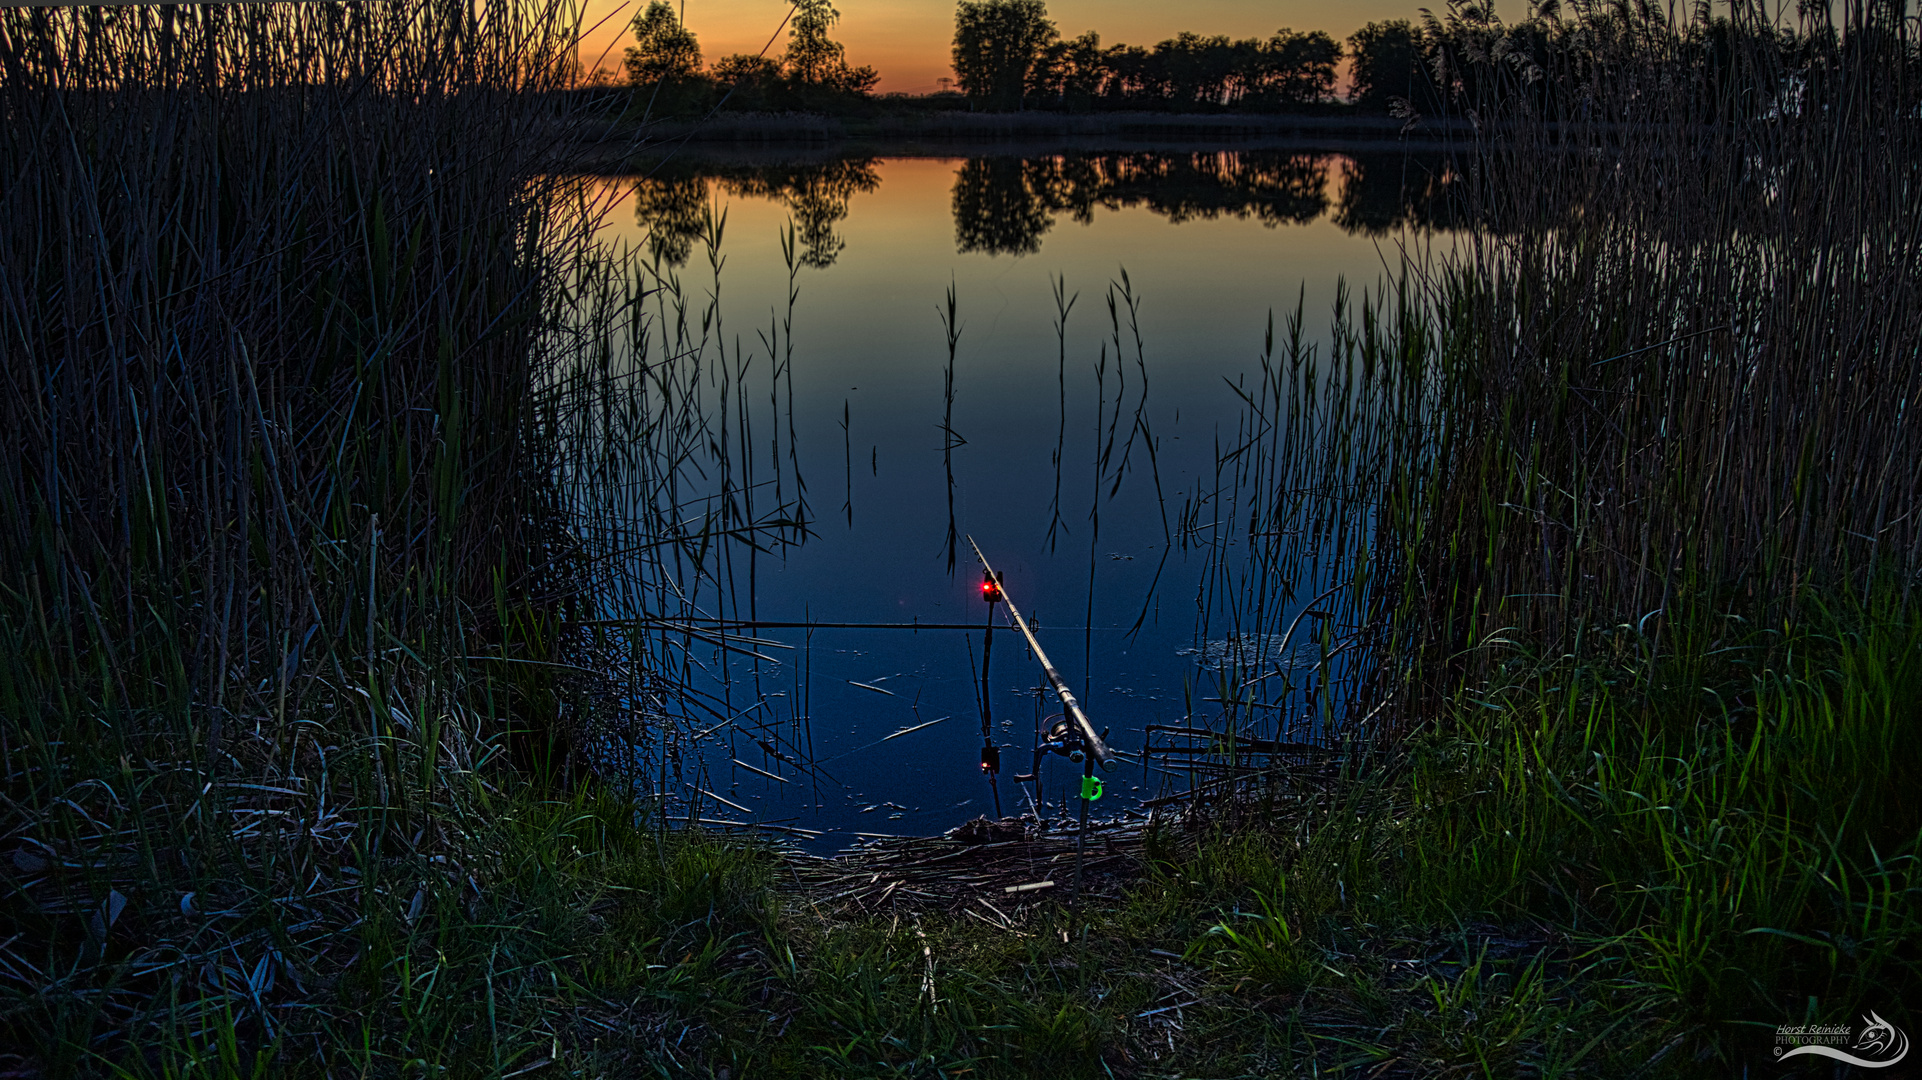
column 1005, row 205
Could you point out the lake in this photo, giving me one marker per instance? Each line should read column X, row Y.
column 1171, row 266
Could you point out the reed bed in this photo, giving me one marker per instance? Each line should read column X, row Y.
column 1662, row 380
column 276, row 286
column 1595, row 526
column 1659, row 381
column 314, row 371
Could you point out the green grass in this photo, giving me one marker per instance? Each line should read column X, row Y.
column 1610, row 872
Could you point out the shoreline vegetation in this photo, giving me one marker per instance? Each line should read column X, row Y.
column 329, row 674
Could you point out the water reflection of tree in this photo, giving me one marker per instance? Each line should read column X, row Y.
column 673, row 211
column 1002, row 205
column 1381, row 193
column 1005, row 205
column 818, row 195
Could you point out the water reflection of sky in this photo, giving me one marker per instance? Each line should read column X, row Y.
column 1206, row 270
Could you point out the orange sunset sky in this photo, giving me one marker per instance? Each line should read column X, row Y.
column 907, row 40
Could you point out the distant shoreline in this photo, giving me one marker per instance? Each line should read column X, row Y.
column 617, row 148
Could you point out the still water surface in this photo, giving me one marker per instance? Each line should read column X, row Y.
column 1192, row 252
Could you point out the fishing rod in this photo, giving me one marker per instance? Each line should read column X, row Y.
column 1095, row 744
column 1074, row 737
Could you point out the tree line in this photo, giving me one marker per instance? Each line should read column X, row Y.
column 1008, row 55
column 812, row 73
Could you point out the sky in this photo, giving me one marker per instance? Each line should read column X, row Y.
column 907, row 40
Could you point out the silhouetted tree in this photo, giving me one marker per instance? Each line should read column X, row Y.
column 1296, row 68
column 1188, row 72
column 664, row 65
column 996, row 42
column 1131, row 80
column 1192, row 71
column 1389, row 65
column 748, row 82
column 665, row 51
column 812, row 55
column 817, row 62
column 1069, row 74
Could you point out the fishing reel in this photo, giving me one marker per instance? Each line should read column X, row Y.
column 1063, row 739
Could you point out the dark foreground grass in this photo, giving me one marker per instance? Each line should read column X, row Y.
column 1602, row 870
